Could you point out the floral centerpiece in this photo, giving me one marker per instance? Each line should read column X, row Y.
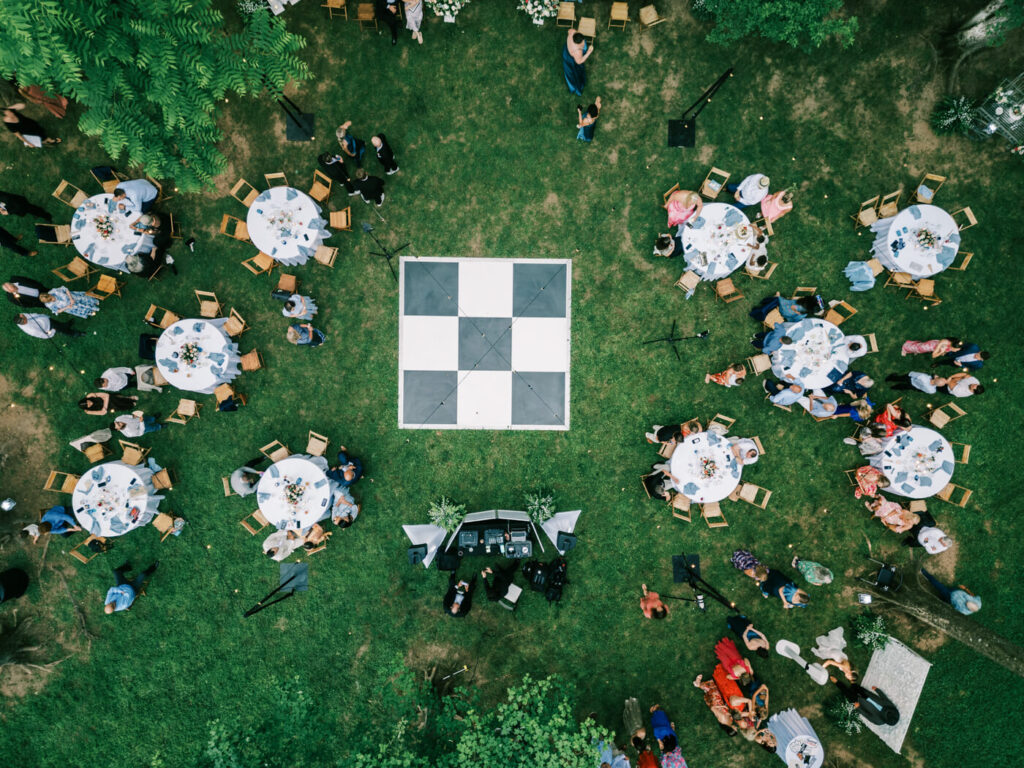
column 447, row 8
column 708, row 468
column 538, row 10
column 284, row 220
column 926, row 238
column 293, row 492
column 924, row 462
column 104, row 226
column 189, row 353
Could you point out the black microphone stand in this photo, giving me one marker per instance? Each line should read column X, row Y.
column 672, row 339
column 386, row 253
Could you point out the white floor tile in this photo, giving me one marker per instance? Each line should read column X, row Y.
column 540, row 344
column 485, row 399
column 429, row 343
column 485, row 288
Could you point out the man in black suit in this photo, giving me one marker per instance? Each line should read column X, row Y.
column 9, row 241
column 459, row 597
column 24, row 291
column 370, row 187
column 387, row 11
column 334, row 167
column 16, row 205
column 384, row 153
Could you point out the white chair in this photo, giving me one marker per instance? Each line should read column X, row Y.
column 511, row 598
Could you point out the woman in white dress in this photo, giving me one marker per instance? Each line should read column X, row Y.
column 299, row 307
column 414, row 18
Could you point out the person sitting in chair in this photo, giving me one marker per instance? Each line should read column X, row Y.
column 344, row 509
column 459, row 597
column 499, row 582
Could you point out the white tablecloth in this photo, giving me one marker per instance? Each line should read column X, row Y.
column 217, row 359
column 121, row 242
column 285, row 224
column 919, row 463
column 705, row 466
column 115, row 498
column 717, row 242
column 311, row 489
column 817, row 348
column 898, row 247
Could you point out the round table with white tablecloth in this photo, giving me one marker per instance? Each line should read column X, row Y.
column 797, row 743
column 103, row 233
column 921, row 240
column 294, row 493
column 197, row 356
column 285, row 224
column 705, row 467
column 717, row 242
column 815, row 356
column 919, row 463
column 114, row 498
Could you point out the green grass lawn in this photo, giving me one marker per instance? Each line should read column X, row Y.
column 484, row 128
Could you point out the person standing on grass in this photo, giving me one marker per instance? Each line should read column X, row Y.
column 370, row 188
column 141, row 194
column 414, row 18
column 387, row 11
column 384, row 153
column 43, row 327
column 586, row 123
column 574, row 56
column 350, row 145
column 26, row 129
column 121, row 596
column 10, row 242
column 751, row 191
column 651, row 604
column 16, row 205
column 24, row 291
column 333, row 166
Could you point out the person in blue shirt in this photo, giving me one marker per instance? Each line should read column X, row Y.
column 782, row 394
column 55, row 520
column 771, row 341
column 121, row 596
column 962, row 601
column 661, row 727
column 348, row 471
column 141, row 194
column 852, row 383
column 790, row 309
column 971, row 358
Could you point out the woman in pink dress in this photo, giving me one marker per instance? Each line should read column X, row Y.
column 731, row 377
column 778, row 205
column 869, row 480
column 683, row 205
column 893, row 516
column 935, row 347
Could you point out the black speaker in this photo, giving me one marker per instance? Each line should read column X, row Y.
column 682, row 133
column 417, row 554
column 447, row 562
column 565, row 541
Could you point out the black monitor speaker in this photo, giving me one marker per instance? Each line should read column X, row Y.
column 565, row 541
column 417, row 554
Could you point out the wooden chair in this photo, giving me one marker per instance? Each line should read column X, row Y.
column 276, row 180
column 106, row 286
column 714, row 183
column 963, row 258
column 228, row 490
column 76, row 269
column 244, row 192
column 158, row 378
column 160, row 196
column 235, row 325
column 286, row 282
column 341, row 219
column 95, row 452
column 257, row 524
column 872, row 341
column 876, row 267
column 665, row 450
column 587, row 27
column 726, row 290
column 326, row 254
column 927, row 187
column 763, row 226
column 566, row 14
column 965, row 452
column 185, row 411
column 276, row 451
column 251, row 361
column 758, row 364
column 924, row 289
column 917, row 506
column 365, row 14
column 649, row 16
column 805, row 290
column 321, row 189
column 164, row 524
column 944, row 414
column 619, row 16
column 174, row 227
column 69, row 194
column 317, row 444
column 84, row 557
column 53, row 234
column 688, row 281
column 60, row 482
column 667, row 195
column 955, row 494
column 968, row 216
column 764, row 274
column 851, row 476
column 132, row 453
column 890, row 204
column 868, row 213
column 840, row 313
column 259, row 264
column 713, row 512
column 165, row 319
column 209, row 304
column 754, row 495
column 680, row 505
column 899, row 280
column 757, row 442
column 234, row 228
column 223, row 392
column 336, row 6
column 107, row 178
column 723, row 421
column 691, row 426
column 773, row 318
column 643, row 482
column 162, row 480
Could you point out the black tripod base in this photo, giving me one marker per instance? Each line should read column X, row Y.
column 682, row 133
column 299, row 128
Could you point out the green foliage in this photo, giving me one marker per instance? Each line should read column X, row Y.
column 540, row 506
column 802, row 24
column 869, row 631
column 149, row 73
column 446, row 513
column 842, row 712
column 954, row 115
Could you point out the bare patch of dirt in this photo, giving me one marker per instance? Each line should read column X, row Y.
column 707, row 151
column 613, row 156
column 26, row 438
column 838, row 756
column 363, row 649
column 914, row 633
column 670, row 87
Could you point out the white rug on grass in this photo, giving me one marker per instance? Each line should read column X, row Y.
column 900, row 674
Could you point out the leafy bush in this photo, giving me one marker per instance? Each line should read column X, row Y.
column 540, row 506
column 802, row 24
column 869, row 631
column 446, row 513
column 844, row 715
column 954, row 115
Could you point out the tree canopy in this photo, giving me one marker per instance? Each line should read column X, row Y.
column 800, row 23
column 148, row 73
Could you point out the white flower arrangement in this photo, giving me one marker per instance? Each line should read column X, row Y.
column 250, row 7
column 446, row 7
column 538, row 10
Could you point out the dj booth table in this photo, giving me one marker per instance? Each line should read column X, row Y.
column 496, row 532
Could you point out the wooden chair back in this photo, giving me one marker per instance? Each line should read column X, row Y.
column 326, row 255
column 649, row 16
column 336, row 6
column 840, row 313
column 69, row 194
column 967, row 215
column 132, row 453
column 82, row 552
column 164, row 523
column 228, row 490
column 714, row 183
column 758, row 364
column 955, row 494
column 341, row 219
column 688, row 281
column 106, row 286
column 964, row 450
column 900, row 280
column 668, row 194
column 587, row 27
column 276, row 451
column 95, row 452
column 890, row 204
column 755, row 495
column 174, row 226
column 60, row 482
column 162, row 480
column 235, row 325
column 927, row 187
column 726, row 290
column 764, row 274
column 868, row 213
column 665, row 450
column 944, row 414
column 963, row 258
column 317, row 444
column 566, row 15
column 107, row 177
column 286, row 282
column 805, row 290
column 321, row 189
column 254, row 522
column 680, row 505
column 924, row 289
column 276, row 179
column 876, row 267
column 619, row 16
column 773, row 318
column 209, row 304
column 76, row 269
column 712, row 514
column 723, row 421
column 365, row 14
column 872, row 341
column 259, row 264
column 158, row 317
column 251, row 361
column 757, row 441
column 53, row 234
column 234, row 228
column 222, row 392
column 244, row 192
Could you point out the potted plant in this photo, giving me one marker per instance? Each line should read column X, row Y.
column 446, row 514
column 447, row 9
column 538, row 10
